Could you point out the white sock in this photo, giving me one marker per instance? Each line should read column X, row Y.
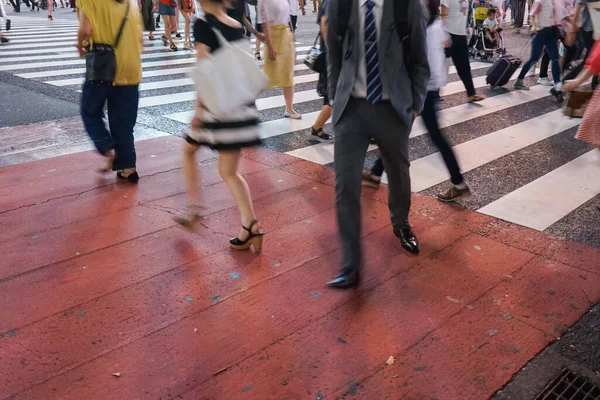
column 558, row 86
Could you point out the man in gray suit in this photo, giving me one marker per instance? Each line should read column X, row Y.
column 378, row 74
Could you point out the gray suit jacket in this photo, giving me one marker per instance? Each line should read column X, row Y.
column 406, row 91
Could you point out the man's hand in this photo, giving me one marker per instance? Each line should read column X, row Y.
column 272, row 53
column 260, row 37
column 80, row 49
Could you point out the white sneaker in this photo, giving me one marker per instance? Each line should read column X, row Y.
column 292, row 115
column 545, row 82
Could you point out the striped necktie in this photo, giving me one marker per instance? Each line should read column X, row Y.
column 374, row 89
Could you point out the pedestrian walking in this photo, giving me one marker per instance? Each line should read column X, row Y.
column 455, row 16
column 280, row 57
column 317, row 132
column 589, row 130
column 99, row 22
column 378, row 84
column 545, row 25
column 166, row 9
column 147, row 8
column 517, row 8
column 188, row 8
column 436, row 42
column 227, row 137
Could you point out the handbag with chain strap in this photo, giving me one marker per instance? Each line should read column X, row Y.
column 100, row 59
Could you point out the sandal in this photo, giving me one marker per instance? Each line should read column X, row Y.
column 258, row 56
column 254, row 239
column 151, row 37
column 173, row 47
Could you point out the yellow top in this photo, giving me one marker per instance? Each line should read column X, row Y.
column 105, row 17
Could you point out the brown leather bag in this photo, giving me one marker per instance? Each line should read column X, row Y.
column 577, row 102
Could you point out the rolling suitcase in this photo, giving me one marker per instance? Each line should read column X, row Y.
column 502, row 70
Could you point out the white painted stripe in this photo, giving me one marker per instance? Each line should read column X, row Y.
column 431, row 170
column 76, row 71
column 190, row 58
column 164, row 52
column 145, row 74
column 323, row 153
column 546, row 200
column 261, row 104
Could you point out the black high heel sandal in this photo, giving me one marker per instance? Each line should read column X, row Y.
column 254, row 239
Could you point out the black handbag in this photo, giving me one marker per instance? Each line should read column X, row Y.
column 100, row 59
column 316, row 59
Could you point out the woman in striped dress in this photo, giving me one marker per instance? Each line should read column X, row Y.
column 227, row 137
column 589, row 130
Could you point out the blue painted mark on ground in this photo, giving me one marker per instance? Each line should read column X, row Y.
column 277, row 265
column 352, row 388
column 189, row 298
column 81, row 314
column 216, row 298
column 11, row 333
column 316, row 294
column 235, row 275
column 247, row 387
column 342, row 341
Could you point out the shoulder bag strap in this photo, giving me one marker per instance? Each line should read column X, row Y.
column 125, row 18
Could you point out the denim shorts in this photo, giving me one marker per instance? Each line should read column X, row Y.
column 164, row 9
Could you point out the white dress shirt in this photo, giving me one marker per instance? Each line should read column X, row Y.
column 360, row 85
column 273, row 12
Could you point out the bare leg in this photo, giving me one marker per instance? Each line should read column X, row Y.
column 324, row 115
column 228, row 168
column 288, row 94
column 190, row 169
column 176, row 17
column 187, row 18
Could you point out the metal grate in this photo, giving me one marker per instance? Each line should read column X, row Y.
column 570, row 386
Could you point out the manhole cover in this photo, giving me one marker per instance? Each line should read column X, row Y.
column 570, row 386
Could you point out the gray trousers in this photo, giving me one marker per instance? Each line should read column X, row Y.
column 358, row 123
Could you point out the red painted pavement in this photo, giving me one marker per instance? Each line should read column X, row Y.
column 95, row 279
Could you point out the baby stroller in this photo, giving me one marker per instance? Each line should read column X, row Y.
column 479, row 45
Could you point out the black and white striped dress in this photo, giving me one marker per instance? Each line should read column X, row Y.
column 241, row 128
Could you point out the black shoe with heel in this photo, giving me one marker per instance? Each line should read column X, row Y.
column 131, row 178
column 254, row 239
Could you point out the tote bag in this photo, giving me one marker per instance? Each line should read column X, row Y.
column 227, row 79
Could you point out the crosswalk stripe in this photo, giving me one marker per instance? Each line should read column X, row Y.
column 190, row 59
column 548, row 199
column 431, row 170
column 323, row 153
column 77, row 71
column 451, row 88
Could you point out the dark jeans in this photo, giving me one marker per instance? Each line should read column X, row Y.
column 544, row 38
column 16, row 5
column 569, row 56
column 122, row 103
column 517, row 8
column 459, row 51
column 430, row 120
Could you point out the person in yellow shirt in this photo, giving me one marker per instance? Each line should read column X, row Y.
column 99, row 22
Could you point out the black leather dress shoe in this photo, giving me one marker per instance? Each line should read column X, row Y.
column 346, row 280
column 408, row 240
